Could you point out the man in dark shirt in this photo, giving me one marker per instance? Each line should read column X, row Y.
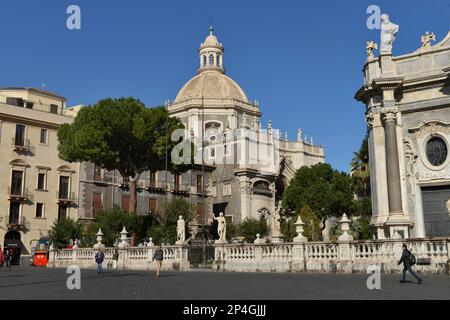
column 407, row 263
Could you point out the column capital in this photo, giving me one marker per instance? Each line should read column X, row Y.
column 389, row 113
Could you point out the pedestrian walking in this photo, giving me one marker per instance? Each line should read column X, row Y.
column 8, row 258
column 99, row 257
column 158, row 257
column 408, row 260
column 2, row 257
column 115, row 258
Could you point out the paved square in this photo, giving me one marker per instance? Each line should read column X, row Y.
column 50, row 284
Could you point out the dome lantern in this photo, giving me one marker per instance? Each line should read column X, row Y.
column 211, row 54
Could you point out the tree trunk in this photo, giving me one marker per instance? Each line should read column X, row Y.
column 133, row 197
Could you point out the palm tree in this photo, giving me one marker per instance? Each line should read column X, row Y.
column 360, row 169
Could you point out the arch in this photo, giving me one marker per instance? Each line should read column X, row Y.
column 218, row 60
column 211, row 59
column 18, row 163
column 204, row 60
column 65, row 168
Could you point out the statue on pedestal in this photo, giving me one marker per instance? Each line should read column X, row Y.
column 221, row 227
column 181, row 236
column 276, row 222
column 389, row 31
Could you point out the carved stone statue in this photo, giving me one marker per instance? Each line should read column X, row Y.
column 181, row 236
column 389, row 31
column 370, row 46
column 427, row 38
column 221, row 227
column 276, row 222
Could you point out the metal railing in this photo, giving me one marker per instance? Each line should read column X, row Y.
column 19, row 194
column 64, row 196
column 16, row 221
column 21, row 145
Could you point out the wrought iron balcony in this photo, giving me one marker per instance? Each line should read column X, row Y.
column 157, row 187
column 19, row 194
column 180, row 189
column 14, row 221
column 21, row 145
column 65, row 197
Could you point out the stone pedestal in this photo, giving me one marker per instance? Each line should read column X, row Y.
column 277, row 239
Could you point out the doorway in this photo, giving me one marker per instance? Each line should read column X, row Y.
column 436, row 211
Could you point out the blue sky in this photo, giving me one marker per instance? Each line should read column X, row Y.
column 301, row 60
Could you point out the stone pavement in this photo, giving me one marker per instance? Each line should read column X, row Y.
column 50, row 284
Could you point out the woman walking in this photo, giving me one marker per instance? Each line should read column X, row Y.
column 158, row 256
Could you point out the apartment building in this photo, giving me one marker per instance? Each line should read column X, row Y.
column 38, row 187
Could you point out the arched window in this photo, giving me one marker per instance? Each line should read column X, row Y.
column 211, row 59
column 204, row 61
column 218, row 60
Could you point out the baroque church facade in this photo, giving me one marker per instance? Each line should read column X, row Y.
column 251, row 164
column 407, row 101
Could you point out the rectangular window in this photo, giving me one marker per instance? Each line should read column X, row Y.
column 43, row 139
column 97, row 203
column 199, row 183
column 63, row 187
column 16, row 182
column 20, row 135
column 200, row 213
column 177, row 180
column 29, row 105
column 18, row 102
column 97, row 173
column 62, row 212
column 53, row 108
column 41, row 181
column 126, row 203
column 14, row 213
column 152, row 205
column 39, row 210
column 152, row 179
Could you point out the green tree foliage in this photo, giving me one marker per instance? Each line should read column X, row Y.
column 326, row 191
column 63, row 231
column 112, row 222
column 120, row 134
column 312, row 229
column 288, row 229
column 166, row 229
column 360, row 169
column 250, row 227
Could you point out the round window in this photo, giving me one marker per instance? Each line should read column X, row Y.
column 436, row 151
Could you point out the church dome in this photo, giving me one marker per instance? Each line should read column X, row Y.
column 211, row 84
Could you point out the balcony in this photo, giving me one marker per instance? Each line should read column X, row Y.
column 65, row 198
column 21, row 145
column 180, row 189
column 157, row 187
column 19, row 195
column 262, row 191
column 16, row 222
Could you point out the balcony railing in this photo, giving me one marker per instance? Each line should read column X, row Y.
column 107, row 177
column 14, row 221
column 21, row 145
column 178, row 189
column 65, row 197
column 157, row 187
column 19, row 194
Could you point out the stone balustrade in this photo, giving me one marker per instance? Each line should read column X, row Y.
column 341, row 256
column 130, row 258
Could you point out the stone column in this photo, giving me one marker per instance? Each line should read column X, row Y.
column 392, row 160
column 298, row 247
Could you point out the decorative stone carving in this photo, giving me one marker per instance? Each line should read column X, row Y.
column 181, row 236
column 432, row 127
column 99, row 244
column 345, row 227
column 276, row 222
column 221, row 228
column 369, row 119
column 299, row 135
column 370, row 46
column 389, row 113
column 411, row 159
column 246, row 187
column 299, row 228
column 124, row 238
column 259, row 240
column 427, row 38
column 389, row 31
